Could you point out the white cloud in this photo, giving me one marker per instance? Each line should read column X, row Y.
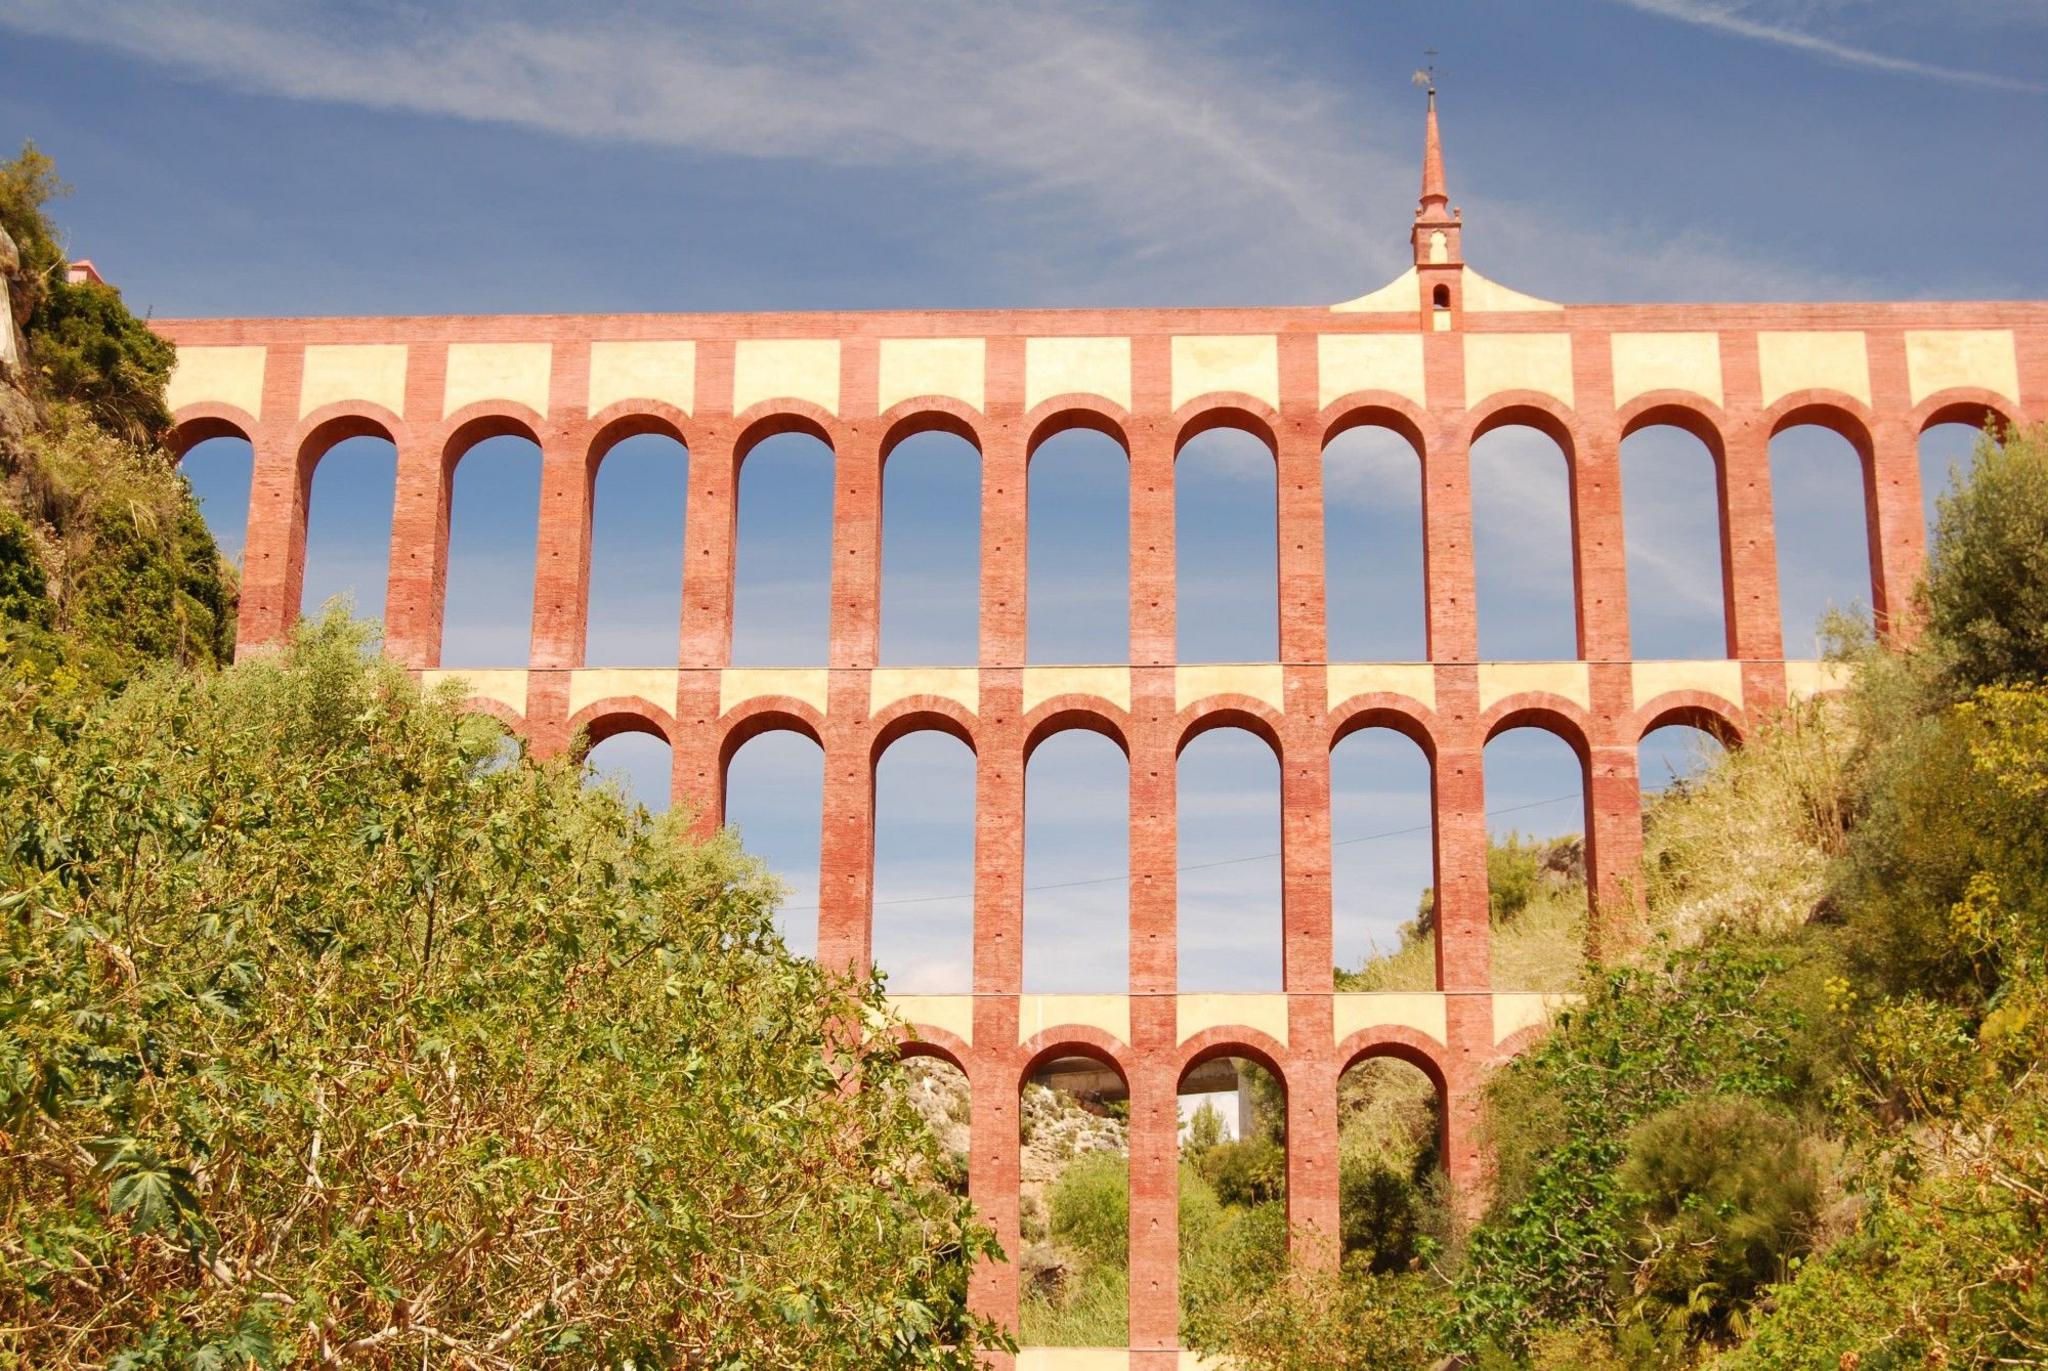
column 1735, row 20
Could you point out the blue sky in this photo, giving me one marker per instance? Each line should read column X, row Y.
column 268, row 158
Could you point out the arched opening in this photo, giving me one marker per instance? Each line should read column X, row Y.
column 1382, row 862
column 348, row 525
column 782, row 578
column 1078, row 558
column 638, row 765
column 1670, row 756
column 923, row 934
column 1233, row 1180
column 775, row 800
column 1077, row 864
column 1821, row 516
column 1374, row 606
column 493, row 516
column 1671, row 517
column 1226, row 548
column 1946, row 451
column 1074, row 1205
column 1393, row 1199
column 931, row 551
column 639, row 498
column 1537, row 900
column 219, row 470
column 1229, row 924
column 1522, row 547
column 1440, row 297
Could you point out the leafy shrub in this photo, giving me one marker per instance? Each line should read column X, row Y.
column 324, row 1035
column 1246, row 1172
column 1091, row 1208
column 1381, row 1216
column 1985, row 596
column 1730, row 1194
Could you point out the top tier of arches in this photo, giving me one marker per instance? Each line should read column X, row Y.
column 1005, row 393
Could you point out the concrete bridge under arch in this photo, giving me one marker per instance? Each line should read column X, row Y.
column 1440, row 356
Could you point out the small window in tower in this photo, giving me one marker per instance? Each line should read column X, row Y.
column 1442, row 297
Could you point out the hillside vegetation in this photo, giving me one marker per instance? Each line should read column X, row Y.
column 1807, row 1126
column 335, row 1032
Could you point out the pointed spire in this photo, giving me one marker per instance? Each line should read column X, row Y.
column 1434, row 197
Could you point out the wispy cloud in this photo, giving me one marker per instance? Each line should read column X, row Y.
column 1732, row 20
column 1199, row 161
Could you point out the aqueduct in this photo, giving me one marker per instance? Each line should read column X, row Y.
column 1441, row 356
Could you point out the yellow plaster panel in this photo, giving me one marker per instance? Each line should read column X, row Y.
column 785, row 369
column 952, row 1013
column 221, row 376
column 1644, row 362
column 1110, row 1013
column 1073, row 1359
column 1260, row 680
column 1804, row 680
column 1491, row 297
column 888, row 684
column 588, row 686
column 1812, row 361
column 1495, row 362
column 1244, row 362
column 497, row 371
column 1416, row 680
column 1984, row 359
column 1498, row 680
column 1111, row 683
column 1420, row 1010
column 506, row 686
column 739, row 684
column 371, row 372
column 1516, row 1010
column 1266, row 1013
column 912, row 367
column 1369, row 361
column 1402, row 295
column 643, row 370
column 1077, row 366
column 1714, row 677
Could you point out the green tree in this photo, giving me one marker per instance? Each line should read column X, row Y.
column 1985, row 597
column 327, row 1037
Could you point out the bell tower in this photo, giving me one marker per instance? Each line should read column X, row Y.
column 1439, row 260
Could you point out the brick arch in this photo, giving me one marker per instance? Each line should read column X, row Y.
column 1684, row 410
column 1376, row 409
column 930, row 414
column 482, row 421
column 1233, row 1040
column 1212, row 712
column 328, row 425
column 205, row 420
column 1227, row 409
column 624, row 419
column 1964, row 405
column 1398, row 713
column 1077, row 409
column 1828, row 409
column 1518, row 1042
column 1403, row 1044
column 748, row 720
column 1710, row 714
column 921, row 714
column 1071, row 1040
column 514, row 721
column 773, row 418
column 923, row 1040
column 1526, row 409
column 1076, row 713
column 608, row 718
column 1539, row 709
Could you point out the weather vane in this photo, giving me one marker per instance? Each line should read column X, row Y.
column 1426, row 74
